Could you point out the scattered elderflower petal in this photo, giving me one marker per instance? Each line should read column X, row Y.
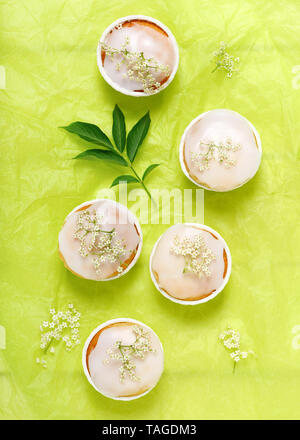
column 59, row 324
column 212, row 151
column 197, row 254
column 125, row 353
column 224, row 61
column 103, row 245
column 231, row 340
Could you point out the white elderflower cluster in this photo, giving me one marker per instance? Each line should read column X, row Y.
column 212, row 151
column 102, row 244
column 125, row 353
column 231, row 340
column 62, row 326
column 224, row 61
column 198, row 255
column 138, row 68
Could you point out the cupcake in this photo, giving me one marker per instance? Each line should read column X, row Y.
column 100, row 240
column 123, row 359
column 137, row 55
column 190, row 263
column 220, row 150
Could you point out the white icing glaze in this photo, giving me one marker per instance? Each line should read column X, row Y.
column 114, row 216
column 106, row 376
column 143, row 38
column 217, row 126
column 169, row 267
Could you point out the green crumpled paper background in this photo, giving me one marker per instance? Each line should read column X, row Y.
column 48, row 52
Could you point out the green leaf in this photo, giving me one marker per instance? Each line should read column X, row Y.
column 149, row 169
column 90, row 133
column 107, row 155
column 125, row 178
column 136, row 136
column 119, row 129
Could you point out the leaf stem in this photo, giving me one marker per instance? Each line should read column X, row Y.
column 141, row 181
column 137, row 176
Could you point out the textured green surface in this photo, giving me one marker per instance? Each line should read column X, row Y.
column 48, row 51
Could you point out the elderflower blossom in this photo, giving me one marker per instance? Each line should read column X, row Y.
column 138, row 68
column 197, row 254
column 62, row 326
column 219, row 152
column 125, row 353
column 224, row 61
column 231, row 340
column 102, row 244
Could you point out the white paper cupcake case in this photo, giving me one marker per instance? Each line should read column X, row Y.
column 116, row 86
column 198, row 301
column 87, row 343
column 181, row 159
column 133, row 218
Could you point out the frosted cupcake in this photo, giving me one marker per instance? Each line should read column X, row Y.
column 190, row 263
column 138, row 55
column 220, row 150
column 123, row 359
column 100, row 240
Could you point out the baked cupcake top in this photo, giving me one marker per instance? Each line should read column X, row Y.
column 124, row 359
column 220, row 150
column 190, row 262
column 138, row 55
column 99, row 240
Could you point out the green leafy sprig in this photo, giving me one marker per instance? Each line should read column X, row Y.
column 116, row 153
